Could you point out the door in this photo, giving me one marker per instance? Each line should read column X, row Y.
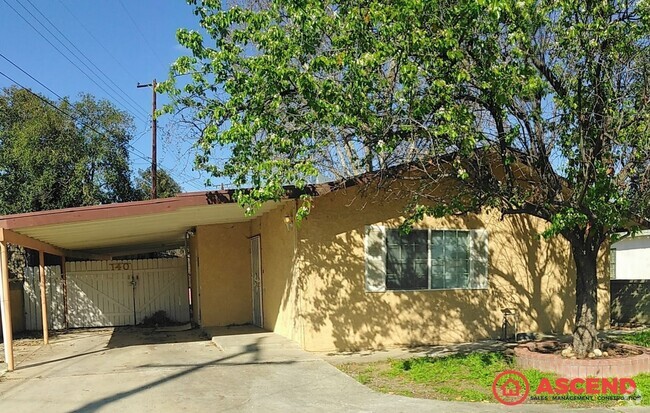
column 256, row 274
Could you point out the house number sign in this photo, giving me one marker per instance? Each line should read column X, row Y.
column 119, row 266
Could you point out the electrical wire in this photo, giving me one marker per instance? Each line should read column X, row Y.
column 90, row 33
column 118, row 89
column 60, row 52
column 136, row 108
column 137, row 27
column 60, row 97
column 76, row 119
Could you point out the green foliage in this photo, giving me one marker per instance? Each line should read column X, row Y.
column 463, row 377
column 479, row 367
column 49, row 161
column 640, row 338
column 528, row 106
column 166, row 186
column 299, row 89
column 643, row 385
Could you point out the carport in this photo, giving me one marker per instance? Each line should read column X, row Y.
column 105, row 231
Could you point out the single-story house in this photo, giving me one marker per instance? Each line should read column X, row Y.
column 343, row 278
column 630, row 278
column 631, row 257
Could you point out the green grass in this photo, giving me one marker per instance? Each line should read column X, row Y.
column 478, row 367
column 640, row 338
column 463, row 377
column 364, row 378
column 643, row 383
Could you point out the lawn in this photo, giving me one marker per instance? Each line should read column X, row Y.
column 639, row 338
column 462, row 377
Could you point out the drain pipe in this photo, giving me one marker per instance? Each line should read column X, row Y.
column 188, row 269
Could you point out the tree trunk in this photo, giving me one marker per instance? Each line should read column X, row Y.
column 585, row 256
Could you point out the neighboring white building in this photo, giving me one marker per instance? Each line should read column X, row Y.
column 630, row 257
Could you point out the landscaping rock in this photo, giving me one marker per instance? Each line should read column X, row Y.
column 598, row 353
column 591, row 355
column 567, row 352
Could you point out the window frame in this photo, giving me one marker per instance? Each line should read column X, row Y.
column 376, row 255
column 429, row 270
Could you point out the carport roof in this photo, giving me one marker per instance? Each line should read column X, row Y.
column 123, row 228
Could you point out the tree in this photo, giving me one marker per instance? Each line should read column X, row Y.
column 532, row 107
column 167, row 186
column 49, row 160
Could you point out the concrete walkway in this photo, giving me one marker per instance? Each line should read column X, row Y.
column 139, row 370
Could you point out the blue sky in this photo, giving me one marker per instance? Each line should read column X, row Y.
column 131, row 41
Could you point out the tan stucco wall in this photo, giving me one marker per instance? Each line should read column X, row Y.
column 313, row 279
column 224, row 274
column 525, row 272
column 281, row 281
column 17, row 308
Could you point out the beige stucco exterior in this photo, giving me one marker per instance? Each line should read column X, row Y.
column 223, row 274
column 313, row 278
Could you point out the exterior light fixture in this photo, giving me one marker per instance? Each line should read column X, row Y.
column 288, row 221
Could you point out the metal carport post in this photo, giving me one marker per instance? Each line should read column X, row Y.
column 8, row 236
column 5, row 307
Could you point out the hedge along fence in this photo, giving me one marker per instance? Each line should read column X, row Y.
column 630, row 301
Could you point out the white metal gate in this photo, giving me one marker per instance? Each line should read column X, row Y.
column 109, row 293
column 32, row 298
column 99, row 294
column 112, row 293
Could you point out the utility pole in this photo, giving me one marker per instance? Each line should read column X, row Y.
column 154, row 128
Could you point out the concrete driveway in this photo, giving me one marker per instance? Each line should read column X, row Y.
column 141, row 370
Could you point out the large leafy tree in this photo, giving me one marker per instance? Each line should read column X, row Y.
column 74, row 156
column 166, row 185
column 533, row 107
column 50, row 160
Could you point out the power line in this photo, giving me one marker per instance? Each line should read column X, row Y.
column 142, row 134
column 76, row 119
column 57, row 49
column 135, row 24
column 57, row 95
column 72, row 53
column 81, row 23
column 120, row 90
column 30, row 76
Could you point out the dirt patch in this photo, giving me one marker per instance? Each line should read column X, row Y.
column 378, row 377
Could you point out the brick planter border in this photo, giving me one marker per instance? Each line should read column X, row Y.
column 629, row 366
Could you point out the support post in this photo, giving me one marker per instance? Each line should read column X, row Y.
column 5, row 307
column 64, row 278
column 154, row 151
column 154, row 129
column 41, row 267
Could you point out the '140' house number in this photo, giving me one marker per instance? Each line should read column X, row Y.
column 120, row 266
